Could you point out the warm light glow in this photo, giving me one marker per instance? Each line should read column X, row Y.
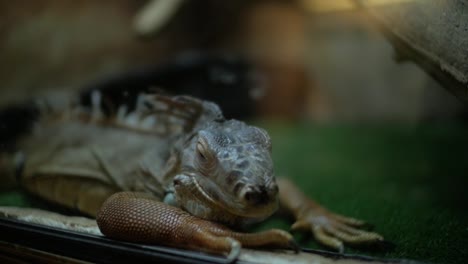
column 319, row 6
column 327, row 5
column 385, row 2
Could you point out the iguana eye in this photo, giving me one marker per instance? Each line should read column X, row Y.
column 200, row 150
column 205, row 157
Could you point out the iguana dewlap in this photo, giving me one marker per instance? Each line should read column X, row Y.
column 197, row 167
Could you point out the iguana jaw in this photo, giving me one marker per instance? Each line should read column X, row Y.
column 202, row 197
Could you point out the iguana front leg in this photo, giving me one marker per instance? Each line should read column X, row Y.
column 329, row 229
column 137, row 217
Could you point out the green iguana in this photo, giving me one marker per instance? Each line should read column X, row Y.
column 181, row 172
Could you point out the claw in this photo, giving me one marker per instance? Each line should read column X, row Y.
column 294, row 246
column 235, row 250
column 367, row 226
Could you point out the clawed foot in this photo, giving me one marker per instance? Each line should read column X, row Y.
column 334, row 230
column 329, row 229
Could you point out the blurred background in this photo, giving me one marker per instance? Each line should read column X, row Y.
column 317, row 60
column 368, row 131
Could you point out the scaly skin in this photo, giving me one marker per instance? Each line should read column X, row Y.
column 179, row 150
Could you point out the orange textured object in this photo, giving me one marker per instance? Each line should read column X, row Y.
column 138, row 218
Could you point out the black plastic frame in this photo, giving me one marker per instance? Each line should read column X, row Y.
column 95, row 249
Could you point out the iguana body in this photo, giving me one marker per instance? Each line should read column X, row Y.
column 176, row 150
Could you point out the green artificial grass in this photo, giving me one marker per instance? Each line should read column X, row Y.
column 409, row 181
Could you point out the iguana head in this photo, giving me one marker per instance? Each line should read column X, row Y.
column 227, row 174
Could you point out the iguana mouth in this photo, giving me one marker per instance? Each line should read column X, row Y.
column 219, row 205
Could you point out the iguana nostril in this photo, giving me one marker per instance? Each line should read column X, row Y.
column 256, row 197
column 177, row 182
column 249, row 196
